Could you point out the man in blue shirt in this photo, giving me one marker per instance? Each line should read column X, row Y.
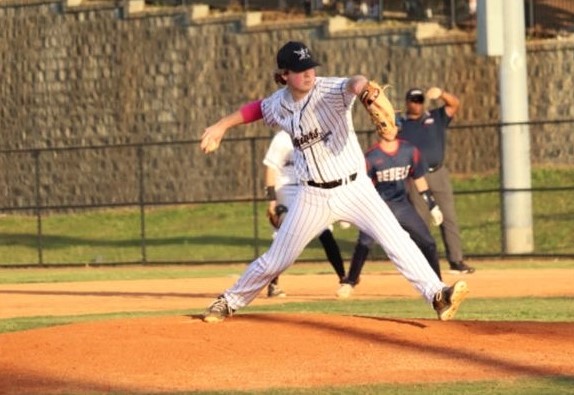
column 427, row 131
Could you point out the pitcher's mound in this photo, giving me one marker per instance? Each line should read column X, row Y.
column 258, row 351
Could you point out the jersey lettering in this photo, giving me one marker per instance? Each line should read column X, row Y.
column 393, row 174
column 307, row 140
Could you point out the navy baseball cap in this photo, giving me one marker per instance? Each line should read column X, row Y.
column 295, row 56
column 415, row 95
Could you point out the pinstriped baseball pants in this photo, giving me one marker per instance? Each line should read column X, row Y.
column 312, row 210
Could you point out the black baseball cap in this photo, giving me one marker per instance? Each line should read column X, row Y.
column 415, row 95
column 295, row 56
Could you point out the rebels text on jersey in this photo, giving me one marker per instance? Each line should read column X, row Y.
column 389, row 170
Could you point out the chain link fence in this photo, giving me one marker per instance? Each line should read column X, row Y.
column 67, row 206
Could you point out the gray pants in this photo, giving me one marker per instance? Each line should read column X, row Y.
column 439, row 184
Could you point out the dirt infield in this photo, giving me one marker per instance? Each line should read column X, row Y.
column 258, row 351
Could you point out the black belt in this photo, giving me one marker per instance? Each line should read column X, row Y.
column 432, row 169
column 331, row 184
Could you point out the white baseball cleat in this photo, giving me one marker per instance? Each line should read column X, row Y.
column 345, row 291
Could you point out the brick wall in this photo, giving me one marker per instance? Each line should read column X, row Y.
column 96, row 74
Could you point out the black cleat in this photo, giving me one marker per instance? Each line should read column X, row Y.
column 460, row 268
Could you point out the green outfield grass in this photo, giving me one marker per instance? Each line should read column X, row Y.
column 548, row 386
column 143, row 272
column 240, row 232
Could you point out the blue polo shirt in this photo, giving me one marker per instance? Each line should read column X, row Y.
column 427, row 133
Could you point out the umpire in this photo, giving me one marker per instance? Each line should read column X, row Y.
column 427, row 131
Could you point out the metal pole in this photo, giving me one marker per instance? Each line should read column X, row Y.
column 140, row 155
column 36, row 155
column 255, row 179
column 452, row 14
column 515, row 139
column 531, row 14
column 501, row 197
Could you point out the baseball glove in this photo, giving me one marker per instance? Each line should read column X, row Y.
column 277, row 216
column 380, row 109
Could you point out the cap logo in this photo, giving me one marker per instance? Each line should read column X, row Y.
column 303, row 53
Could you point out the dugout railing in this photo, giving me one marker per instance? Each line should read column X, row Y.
column 482, row 216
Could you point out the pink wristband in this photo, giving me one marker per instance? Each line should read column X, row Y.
column 251, row 111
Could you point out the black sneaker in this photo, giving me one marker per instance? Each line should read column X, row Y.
column 460, row 268
column 218, row 310
column 273, row 291
column 345, row 280
column 447, row 300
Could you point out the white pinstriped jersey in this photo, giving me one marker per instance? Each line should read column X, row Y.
column 327, row 149
column 321, row 129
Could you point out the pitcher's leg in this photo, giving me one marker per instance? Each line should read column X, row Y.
column 374, row 217
column 304, row 220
